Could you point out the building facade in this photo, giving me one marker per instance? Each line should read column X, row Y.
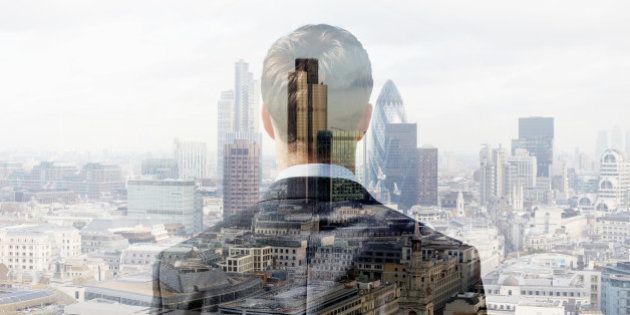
column 191, row 159
column 166, row 201
column 536, row 135
column 428, row 176
column 241, row 180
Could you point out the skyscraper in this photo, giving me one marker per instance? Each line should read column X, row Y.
column 520, row 177
column 191, row 159
column 492, row 167
column 307, row 109
column 389, row 109
column 428, row 176
column 536, row 134
column 225, row 125
column 241, row 180
column 246, row 99
column 401, row 163
column 238, row 116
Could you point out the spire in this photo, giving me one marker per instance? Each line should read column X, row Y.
column 416, row 229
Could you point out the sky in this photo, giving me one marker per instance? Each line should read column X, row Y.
column 133, row 75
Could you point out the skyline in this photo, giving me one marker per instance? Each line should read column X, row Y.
column 98, row 77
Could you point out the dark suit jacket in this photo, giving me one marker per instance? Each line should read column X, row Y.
column 315, row 230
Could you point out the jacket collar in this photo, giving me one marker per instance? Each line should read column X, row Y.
column 327, row 189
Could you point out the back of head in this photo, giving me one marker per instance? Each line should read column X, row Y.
column 344, row 66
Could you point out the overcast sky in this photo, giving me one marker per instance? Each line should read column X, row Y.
column 132, row 75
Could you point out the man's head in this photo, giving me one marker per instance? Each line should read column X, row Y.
column 344, row 66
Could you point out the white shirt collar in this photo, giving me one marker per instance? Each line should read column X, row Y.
column 316, row 170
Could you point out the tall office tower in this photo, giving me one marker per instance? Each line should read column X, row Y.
column 601, row 144
column 246, row 99
column 616, row 139
column 307, row 110
column 428, row 176
column 614, row 182
column 389, row 109
column 160, row 168
column 520, row 176
column 400, row 169
column 225, row 125
column 191, row 159
column 535, row 134
column 241, row 180
column 166, row 201
column 492, row 167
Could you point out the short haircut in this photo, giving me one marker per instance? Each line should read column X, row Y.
column 344, row 66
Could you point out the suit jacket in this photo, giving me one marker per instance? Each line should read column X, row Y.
column 310, row 245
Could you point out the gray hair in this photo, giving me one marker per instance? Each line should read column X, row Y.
column 344, row 66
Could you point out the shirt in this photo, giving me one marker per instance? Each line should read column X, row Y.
column 316, row 170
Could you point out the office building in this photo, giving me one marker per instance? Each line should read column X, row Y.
column 428, row 176
column 389, row 109
column 401, row 164
column 160, row 168
column 100, row 180
column 241, row 180
column 307, row 111
column 520, row 176
column 246, row 99
column 225, row 125
column 613, row 192
column 191, row 159
column 492, row 168
column 166, row 201
column 47, row 173
column 32, row 248
column 616, row 289
column 536, row 135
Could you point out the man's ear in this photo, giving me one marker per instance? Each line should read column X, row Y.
column 266, row 118
column 364, row 123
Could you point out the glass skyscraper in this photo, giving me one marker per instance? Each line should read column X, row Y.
column 389, row 109
column 535, row 134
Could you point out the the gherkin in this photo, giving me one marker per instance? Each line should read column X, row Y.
column 389, row 109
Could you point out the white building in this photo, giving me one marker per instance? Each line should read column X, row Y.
column 166, row 201
column 191, row 159
column 522, row 169
column 614, row 227
column 261, row 255
column 33, row 248
column 614, row 182
column 555, row 220
column 140, row 257
column 481, row 234
column 541, row 282
column 492, row 166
